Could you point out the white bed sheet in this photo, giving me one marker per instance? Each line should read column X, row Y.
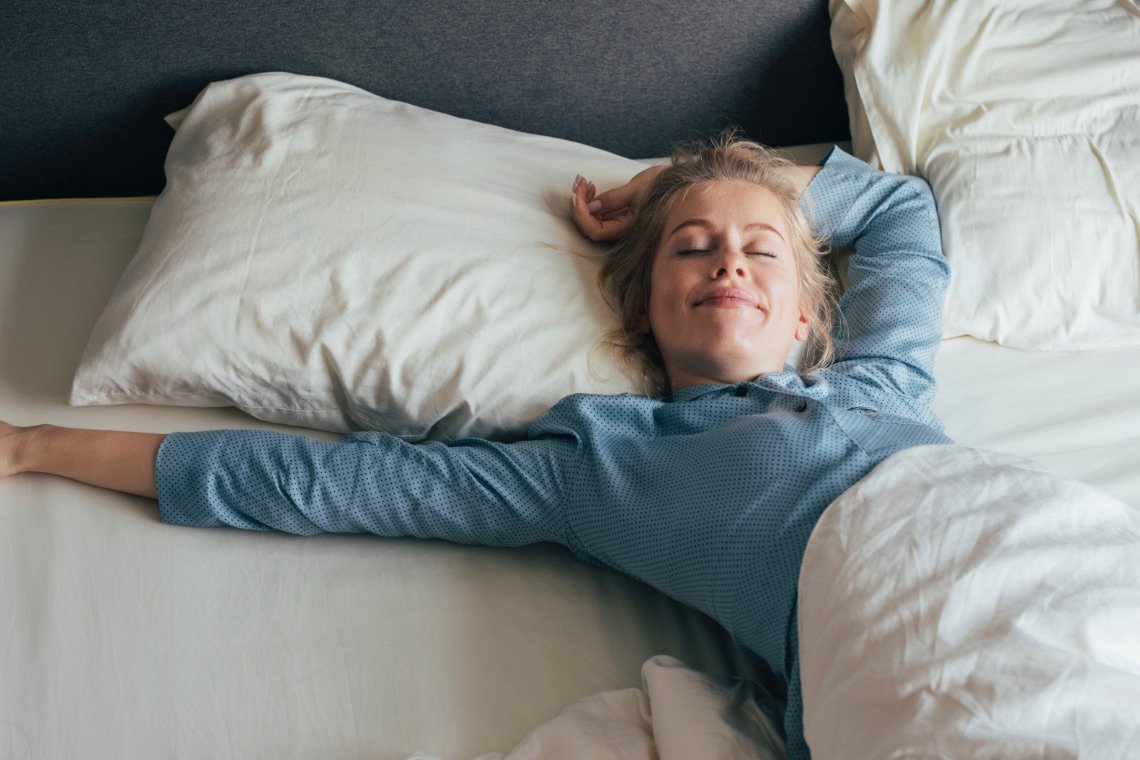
column 129, row 638
column 1078, row 413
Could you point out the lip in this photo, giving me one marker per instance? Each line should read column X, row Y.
column 727, row 298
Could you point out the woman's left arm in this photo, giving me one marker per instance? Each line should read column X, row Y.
column 890, row 320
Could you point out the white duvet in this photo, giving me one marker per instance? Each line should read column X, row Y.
column 964, row 603
column 956, row 603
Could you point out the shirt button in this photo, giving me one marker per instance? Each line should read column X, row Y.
column 801, row 407
column 741, row 391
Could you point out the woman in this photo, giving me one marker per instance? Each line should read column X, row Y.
column 708, row 489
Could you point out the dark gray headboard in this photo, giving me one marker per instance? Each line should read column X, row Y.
column 86, row 84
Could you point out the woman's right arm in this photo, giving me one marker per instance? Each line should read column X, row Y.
column 112, row 459
column 608, row 216
column 470, row 491
column 474, row 492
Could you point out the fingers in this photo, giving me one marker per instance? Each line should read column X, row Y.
column 10, row 439
column 583, row 205
column 618, row 199
column 599, row 217
column 587, row 191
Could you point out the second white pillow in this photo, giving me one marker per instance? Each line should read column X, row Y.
column 1025, row 119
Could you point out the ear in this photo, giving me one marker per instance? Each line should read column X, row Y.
column 803, row 326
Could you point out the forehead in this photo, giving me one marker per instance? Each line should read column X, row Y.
column 727, row 202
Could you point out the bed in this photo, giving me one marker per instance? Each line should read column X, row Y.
column 146, row 149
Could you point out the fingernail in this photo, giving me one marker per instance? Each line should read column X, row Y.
column 577, row 181
column 594, row 206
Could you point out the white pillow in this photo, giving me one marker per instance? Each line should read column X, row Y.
column 1025, row 119
column 325, row 257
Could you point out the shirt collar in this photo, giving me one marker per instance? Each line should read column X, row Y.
column 787, row 381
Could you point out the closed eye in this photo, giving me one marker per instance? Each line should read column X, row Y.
column 693, row 251
column 769, row 254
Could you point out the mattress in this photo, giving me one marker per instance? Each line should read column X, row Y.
column 130, row 638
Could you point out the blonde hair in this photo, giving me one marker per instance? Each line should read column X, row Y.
column 625, row 272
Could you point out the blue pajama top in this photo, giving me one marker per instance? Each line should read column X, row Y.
column 708, row 495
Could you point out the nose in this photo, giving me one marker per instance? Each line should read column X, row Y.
column 727, row 262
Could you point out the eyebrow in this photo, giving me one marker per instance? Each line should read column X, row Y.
column 706, row 223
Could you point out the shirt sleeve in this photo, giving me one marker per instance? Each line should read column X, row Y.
column 470, row 491
column 889, row 324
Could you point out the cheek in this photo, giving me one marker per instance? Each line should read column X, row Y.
column 786, row 288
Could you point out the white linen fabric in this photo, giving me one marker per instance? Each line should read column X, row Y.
column 325, row 257
column 1025, row 119
column 964, row 603
column 214, row 643
column 677, row 714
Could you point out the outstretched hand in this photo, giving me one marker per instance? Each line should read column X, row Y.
column 8, row 445
column 608, row 216
column 120, row 461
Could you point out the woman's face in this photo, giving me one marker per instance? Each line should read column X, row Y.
column 724, row 295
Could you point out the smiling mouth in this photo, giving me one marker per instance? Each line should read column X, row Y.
column 728, row 299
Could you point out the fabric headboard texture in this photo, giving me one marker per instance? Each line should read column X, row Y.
column 86, row 85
